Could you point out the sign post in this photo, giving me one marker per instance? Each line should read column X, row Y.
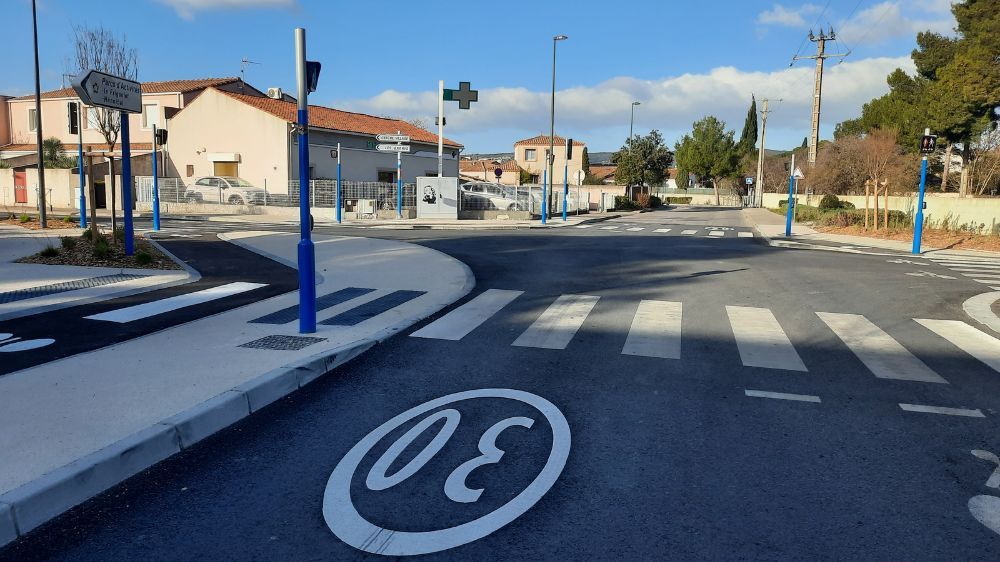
column 156, row 184
column 464, row 95
column 399, row 148
column 306, row 249
column 927, row 146
column 791, row 198
column 79, row 160
column 338, row 183
column 115, row 93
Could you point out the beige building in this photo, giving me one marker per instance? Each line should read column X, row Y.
column 485, row 170
column 530, row 154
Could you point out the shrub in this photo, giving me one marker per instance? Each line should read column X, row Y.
column 655, row 201
column 120, row 234
column 68, row 242
column 67, row 219
column 847, row 205
column 829, row 201
column 143, row 258
column 678, row 200
column 642, row 200
column 24, row 219
column 101, row 248
column 49, row 252
column 623, row 203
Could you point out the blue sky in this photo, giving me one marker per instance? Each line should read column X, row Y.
column 681, row 60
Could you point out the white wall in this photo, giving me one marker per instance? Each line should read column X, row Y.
column 963, row 210
column 364, row 165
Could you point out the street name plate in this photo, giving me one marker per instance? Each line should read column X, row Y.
column 104, row 90
column 392, row 138
column 393, row 148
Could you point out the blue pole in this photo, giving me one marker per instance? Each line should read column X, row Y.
column 127, row 186
column 338, row 183
column 156, row 188
column 565, row 188
column 307, row 252
column 399, row 186
column 791, row 203
column 79, row 159
column 918, row 226
column 545, row 195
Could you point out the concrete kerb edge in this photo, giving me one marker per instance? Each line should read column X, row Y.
column 31, row 505
column 980, row 309
column 756, row 228
column 192, row 276
column 236, row 242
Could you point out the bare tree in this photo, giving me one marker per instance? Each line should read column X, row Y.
column 99, row 49
column 879, row 154
column 418, row 122
column 985, row 168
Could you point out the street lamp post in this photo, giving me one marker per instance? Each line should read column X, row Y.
column 38, row 124
column 550, row 164
column 631, row 125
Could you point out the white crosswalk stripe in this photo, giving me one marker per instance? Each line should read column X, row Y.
column 885, row 357
column 555, row 328
column 634, row 229
column 662, row 230
column 745, row 234
column 586, row 225
column 459, row 322
column 609, row 228
column 153, row 308
column 717, row 233
column 976, row 343
column 655, row 330
column 689, row 232
column 761, row 341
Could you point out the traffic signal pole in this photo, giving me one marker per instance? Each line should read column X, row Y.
column 918, row 224
column 306, row 249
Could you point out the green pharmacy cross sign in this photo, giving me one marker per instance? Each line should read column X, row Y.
column 464, row 95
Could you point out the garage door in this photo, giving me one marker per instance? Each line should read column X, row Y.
column 226, row 169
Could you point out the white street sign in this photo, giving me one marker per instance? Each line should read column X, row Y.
column 392, row 138
column 798, row 174
column 104, row 90
column 393, row 147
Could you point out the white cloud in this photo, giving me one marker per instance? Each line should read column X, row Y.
column 780, row 15
column 598, row 114
column 187, row 8
column 889, row 20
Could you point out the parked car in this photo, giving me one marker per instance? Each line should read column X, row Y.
column 484, row 195
column 224, row 189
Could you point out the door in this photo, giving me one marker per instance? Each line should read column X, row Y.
column 20, row 188
column 100, row 195
column 230, row 169
column 387, row 177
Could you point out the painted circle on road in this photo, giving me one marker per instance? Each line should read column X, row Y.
column 343, row 518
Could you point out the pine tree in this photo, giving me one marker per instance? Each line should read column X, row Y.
column 748, row 139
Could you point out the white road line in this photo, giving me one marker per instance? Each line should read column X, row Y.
column 609, row 227
column 970, row 267
column 980, row 274
column 716, row 233
column 782, row 396
column 662, row 230
column 688, row 232
column 586, row 225
column 884, row 356
column 145, row 310
column 986, row 281
column 976, row 343
column 655, row 330
column 942, row 410
column 761, row 341
column 459, row 322
column 634, row 229
column 745, row 234
column 555, row 328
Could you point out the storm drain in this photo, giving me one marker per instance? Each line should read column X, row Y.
column 55, row 288
column 283, row 343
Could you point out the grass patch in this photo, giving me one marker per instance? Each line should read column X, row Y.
column 49, row 252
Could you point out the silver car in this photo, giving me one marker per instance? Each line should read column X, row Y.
column 224, row 189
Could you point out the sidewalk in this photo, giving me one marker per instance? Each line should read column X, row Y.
column 771, row 227
column 430, row 224
column 75, row 427
column 27, row 288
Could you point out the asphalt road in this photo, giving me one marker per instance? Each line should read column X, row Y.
column 605, row 455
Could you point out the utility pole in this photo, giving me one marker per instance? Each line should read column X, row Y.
column 820, row 56
column 759, row 193
column 38, row 125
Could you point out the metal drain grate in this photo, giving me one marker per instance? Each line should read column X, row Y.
column 283, row 343
column 46, row 290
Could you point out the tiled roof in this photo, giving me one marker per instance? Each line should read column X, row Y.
column 73, row 147
column 602, row 172
column 162, row 87
column 477, row 165
column 541, row 140
column 337, row 120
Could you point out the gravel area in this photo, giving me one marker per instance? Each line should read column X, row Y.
column 81, row 252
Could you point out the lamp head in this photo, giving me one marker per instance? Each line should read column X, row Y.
column 560, row 38
column 636, row 103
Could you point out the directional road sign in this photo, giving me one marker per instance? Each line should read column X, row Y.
column 392, row 138
column 393, row 148
column 112, row 92
column 464, row 95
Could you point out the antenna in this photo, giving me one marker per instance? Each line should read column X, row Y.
column 243, row 71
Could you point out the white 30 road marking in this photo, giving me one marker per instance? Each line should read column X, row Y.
column 343, row 518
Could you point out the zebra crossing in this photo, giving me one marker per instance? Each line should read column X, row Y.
column 981, row 269
column 685, row 230
column 656, row 331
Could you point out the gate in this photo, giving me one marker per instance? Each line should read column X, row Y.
column 20, row 188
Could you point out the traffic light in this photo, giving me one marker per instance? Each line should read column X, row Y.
column 569, row 149
column 927, row 144
column 161, row 137
column 73, row 114
column 312, row 75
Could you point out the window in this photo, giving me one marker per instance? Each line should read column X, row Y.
column 150, row 115
column 93, row 119
column 189, row 170
column 229, row 169
column 32, row 120
column 530, row 154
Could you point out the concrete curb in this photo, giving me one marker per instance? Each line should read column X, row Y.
column 756, row 228
column 192, row 276
column 29, row 506
column 237, row 242
column 980, row 309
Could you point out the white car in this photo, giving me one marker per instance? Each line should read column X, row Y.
column 493, row 196
column 224, row 189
